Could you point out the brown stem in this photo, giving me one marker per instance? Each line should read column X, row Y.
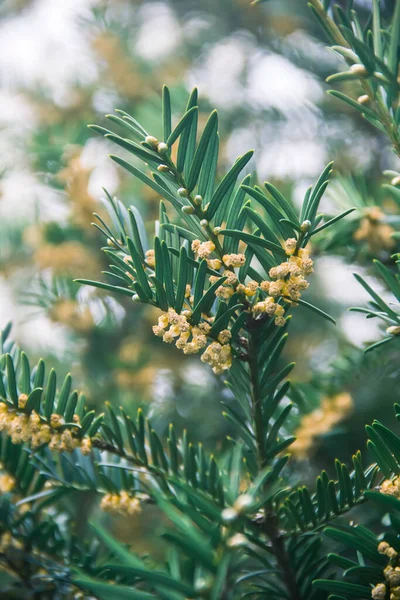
column 282, row 557
column 271, row 524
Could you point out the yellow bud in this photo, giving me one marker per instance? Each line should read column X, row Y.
column 363, row 99
column 152, row 141
column 162, row 148
column 359, row 70
column 393, row 330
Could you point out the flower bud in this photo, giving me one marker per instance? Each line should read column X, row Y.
column 163, row 168
column 162, row 148
column 363, row 99
column 216, row 230
column 203, row 586
column 396, row 180
column 204, row 223
column 198, row 200
column 237, row 541
column 305, row 226
column 379, row 592
column 229, row 515
column 183, row 192
column 359, row 70
column 243, row 503
column 135, row 298
column 187, row 210
column 393, row 330
column 152, row 141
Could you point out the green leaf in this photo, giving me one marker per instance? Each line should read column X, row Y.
column 205, row 303
column 392, row 280
column 145, row 179
column 384, row 500
column 351, row 590
column 95, row 426
column 226, row 183
column 106, row 591
column 116, row 548
column 376, row 26
column 223, row 321
column 70, row 407
column 135, row 149
column 166, row 113
column 124, row 123
column 185, row 233
column 192, row 540
column 275, row 215
column 50, row 394
column 382, row 305
column 33, row 402
column 204, row 154
column 64, row 394
column 187, row 141
column 138, row 231
column 377, row 344
column 153, row 577
column 25, row 380
column 332, row 221
column 11, row 380
column 167, row 274
column 182, row 280
column 254, row 240
column 316, row 194
column 362, row 108
column 183, row 124
column 133, row 121
column 105, row 286
column 139, row 268
column 394, row 40
column 281, row 201
column 317, row 310
column 39, row 375
column 265, row 230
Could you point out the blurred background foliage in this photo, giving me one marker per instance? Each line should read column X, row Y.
column 66, row 64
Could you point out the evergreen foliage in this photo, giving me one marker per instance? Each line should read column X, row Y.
column 227, row 266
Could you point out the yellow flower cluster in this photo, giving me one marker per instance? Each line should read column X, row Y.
column 218, row 356
column 227, row 289
column 249, row 289
column 121, row 503
column 76, row 177
column 34, row 430
column 374, row 230
column 7, row 541
column 332, row 411
column 70, row 313
column 193, row 338
column 288, row 281
column 391, row 588
column 189, row 338
column 66, row 258
column 204, row 250
column 234, row 260
column 7, row 483
column 120, row 69
column 150, row 258
column 391, row 488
